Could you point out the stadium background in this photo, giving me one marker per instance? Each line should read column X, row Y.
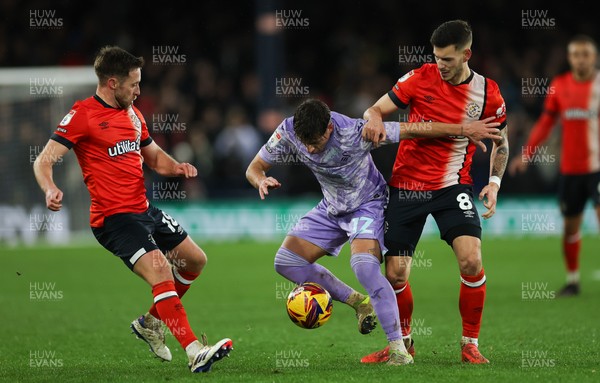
column 219, row 78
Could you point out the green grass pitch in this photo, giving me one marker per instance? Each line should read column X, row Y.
column 66, row 315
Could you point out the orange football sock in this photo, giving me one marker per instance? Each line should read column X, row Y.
column 571, row 247
column 183, row 281
column 404, row 299
column 470, row 303
column 171, row 311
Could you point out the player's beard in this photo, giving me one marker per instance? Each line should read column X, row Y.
column 122, row 101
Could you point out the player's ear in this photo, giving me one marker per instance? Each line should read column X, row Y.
column 467, row 54
column 113, row 83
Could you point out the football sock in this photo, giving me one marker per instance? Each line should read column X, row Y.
column 183, row 281
column 298, row 270
column 173, row 314
column 470, row 303
column 571, row 247
column 368, row 272
column 404, row 299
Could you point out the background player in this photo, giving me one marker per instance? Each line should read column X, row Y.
column 448, row 91
column 111, row 141
column 575, row 100
column 352, row 209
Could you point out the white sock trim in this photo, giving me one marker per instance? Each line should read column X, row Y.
column 165, row 295
column 473, row 284
column 466, row 339
column 401, row 290
column 181, row 279
column 573, row 277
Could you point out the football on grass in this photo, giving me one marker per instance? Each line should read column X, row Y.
column 309, row 305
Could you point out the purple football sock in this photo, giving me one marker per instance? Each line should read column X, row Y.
column 299, row 270
column 368, row 271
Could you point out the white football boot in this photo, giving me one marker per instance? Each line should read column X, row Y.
column 201, row 355
column 150, row 330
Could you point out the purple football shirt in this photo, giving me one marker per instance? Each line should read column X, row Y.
column 345, row 169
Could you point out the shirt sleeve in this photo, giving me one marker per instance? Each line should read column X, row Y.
column 494, row 104
column 278, row 148
column 402, row 92
column 73, row 127
column 392, row 134
column 145, row 138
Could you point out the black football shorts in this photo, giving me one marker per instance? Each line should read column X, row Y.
column 131, row 235
column 452, row 208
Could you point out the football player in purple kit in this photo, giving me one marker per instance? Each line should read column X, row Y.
column 352, row 209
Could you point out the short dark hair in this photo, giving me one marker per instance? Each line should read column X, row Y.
column 310, row 120
column 581, row 38
column 114, row 61
column 454, row 32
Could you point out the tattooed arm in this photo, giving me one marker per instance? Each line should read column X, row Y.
column 498, row 161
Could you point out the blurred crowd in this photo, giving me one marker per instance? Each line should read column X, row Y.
column 203, row 85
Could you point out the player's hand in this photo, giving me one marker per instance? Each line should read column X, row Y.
column 54, row 198
column 186, row 170
column 517, row 165
column 478, row 130
column 489, row 195
column 374, row 131
column 266, row 184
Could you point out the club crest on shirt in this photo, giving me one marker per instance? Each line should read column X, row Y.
column 473, row 110
column 67, row 118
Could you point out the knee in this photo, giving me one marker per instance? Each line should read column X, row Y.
column 195, row 262
column 470, row 263
column 397, row 270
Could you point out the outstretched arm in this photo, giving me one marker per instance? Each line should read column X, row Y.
column 476, row 131
column 165, row 165
column 498, row 161
column 42, row 168
column 256, row 175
